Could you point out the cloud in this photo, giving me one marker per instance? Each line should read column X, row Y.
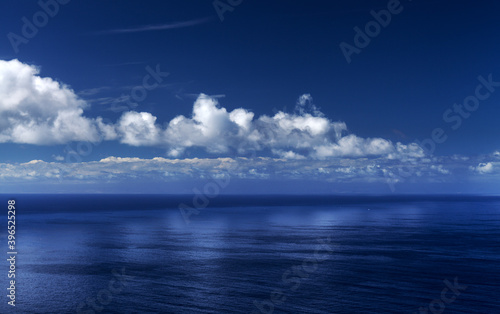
column 108, row 130
column 42, row 111
column 352, row 145
column 148, row 28
column 305, row 104
column 138, row 129
column 92, row 91
column 379, row 170
column 440, row 169
column 58, row 157
column 36, row 110
column 484, row 168
column 306, row 133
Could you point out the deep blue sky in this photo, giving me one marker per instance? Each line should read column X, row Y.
column 263, row 56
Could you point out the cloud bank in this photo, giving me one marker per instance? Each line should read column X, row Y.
column 380, row 170
column 42, row 111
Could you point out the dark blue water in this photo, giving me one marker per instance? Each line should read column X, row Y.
column 136, row 254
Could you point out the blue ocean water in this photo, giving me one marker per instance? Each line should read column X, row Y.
column 248, row 254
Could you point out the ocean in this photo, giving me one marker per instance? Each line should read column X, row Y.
column 255, row 254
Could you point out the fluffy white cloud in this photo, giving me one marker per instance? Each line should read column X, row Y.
column 138, row 129
column 289, row 135
column 352, row 145
column 108, row 130
column 483, row 168
column 58, row 157
column 38, row 110
column 41, row 111
column 210, row 127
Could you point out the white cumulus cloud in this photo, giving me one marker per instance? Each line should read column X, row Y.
column 38, row 110
column 484, row 168
column 42, row 111
column 138, row 129
column 289, row 135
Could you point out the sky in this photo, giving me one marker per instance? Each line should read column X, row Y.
column 243, row 97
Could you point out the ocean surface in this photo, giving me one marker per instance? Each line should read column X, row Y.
column 249, row 254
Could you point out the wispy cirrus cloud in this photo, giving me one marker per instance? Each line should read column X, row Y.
column 159, row 27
